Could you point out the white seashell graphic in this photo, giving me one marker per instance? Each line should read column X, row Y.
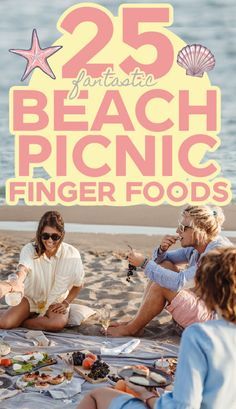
column 196, row 59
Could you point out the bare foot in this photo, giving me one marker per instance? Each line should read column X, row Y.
column 118, row 323
column 119, row 331
column 125, row 330
column 114, row 324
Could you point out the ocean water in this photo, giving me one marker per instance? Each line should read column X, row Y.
column 209, row 22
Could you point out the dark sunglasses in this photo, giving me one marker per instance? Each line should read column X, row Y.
column 53, row 236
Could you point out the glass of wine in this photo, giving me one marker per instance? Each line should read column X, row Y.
column 68, row 369
column 104, row 314
column 41, row 306
column 13, row 298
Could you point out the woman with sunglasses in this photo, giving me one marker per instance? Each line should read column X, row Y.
column 51, row 273
column 205, row 374
column 171, row 273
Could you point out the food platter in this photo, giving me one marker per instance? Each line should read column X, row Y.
column 22, row 364
column 85, row 374
column 164, row 379
column 41, row 380
column 90, row 366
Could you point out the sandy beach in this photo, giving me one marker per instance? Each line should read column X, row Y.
column 105, row 267
column 104, row 261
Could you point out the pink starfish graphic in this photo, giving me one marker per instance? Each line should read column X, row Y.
column 37, row 57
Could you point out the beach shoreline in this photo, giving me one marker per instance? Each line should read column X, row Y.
column 140, row 215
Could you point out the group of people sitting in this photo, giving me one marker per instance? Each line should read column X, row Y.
column 195, row 283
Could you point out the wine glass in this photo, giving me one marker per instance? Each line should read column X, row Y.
column 68, row 369
column 104, row 314
column 40, row 306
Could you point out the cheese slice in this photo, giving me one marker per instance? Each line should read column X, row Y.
column 157, row 377
column 139, row 380
column 16, row 367
column 140, row 370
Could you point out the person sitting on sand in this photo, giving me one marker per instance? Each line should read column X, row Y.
column 205, row 371
column 168, row 286
column 51, row 273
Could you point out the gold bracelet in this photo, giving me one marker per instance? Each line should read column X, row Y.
column 68, row 304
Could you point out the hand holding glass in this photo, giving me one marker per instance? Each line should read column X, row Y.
column 14, row 297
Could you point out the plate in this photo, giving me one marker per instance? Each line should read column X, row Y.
column 127, row 372
column 22, row 384
column 30, row 365
column 5, row 382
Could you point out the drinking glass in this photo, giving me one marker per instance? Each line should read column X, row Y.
column 41, row 306
column 104, row 314
column 13, row 298
column 162, row 364
column 68, row 369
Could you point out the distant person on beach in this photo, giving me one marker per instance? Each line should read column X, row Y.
column 205, row 372
column 169, row 284
column 50, row 275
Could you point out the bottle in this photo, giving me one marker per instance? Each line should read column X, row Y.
column 15, row 297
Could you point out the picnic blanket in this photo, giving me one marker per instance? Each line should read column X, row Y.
column 145, row 352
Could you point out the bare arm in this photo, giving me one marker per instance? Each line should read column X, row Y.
column 5, row 288
column 148, row 397
column 102, row 398
column 61, row 308
column 22, row 272
column 73, row 293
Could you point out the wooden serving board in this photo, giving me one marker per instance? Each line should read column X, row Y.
column 84, row 373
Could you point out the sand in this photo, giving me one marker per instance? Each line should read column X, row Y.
column 106, row 268
column 104, row 261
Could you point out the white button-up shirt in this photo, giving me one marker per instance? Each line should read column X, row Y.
column 50, row 279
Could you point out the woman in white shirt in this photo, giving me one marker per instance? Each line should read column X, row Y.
column 50, row 274
column 206, row 369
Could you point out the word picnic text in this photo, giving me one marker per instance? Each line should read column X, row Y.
column 116, row 128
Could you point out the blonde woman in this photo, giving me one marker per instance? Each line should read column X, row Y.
column 205, row 372
column 198, row 232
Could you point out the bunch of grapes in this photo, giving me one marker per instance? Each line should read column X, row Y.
column 99, row 370
column 78, row 357
column 130, row 271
